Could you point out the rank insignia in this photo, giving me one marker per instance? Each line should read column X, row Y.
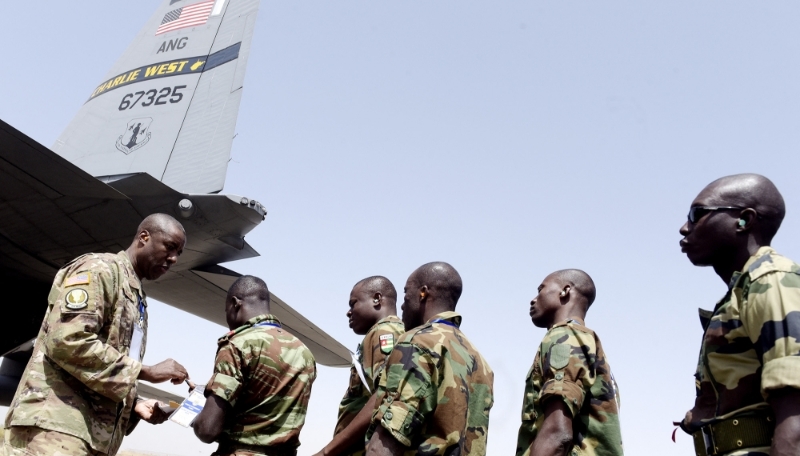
column 77, row 299
column 387, row 343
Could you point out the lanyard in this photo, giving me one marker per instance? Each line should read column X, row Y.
column 141, row 312
column 267, row 323
column 445, row 322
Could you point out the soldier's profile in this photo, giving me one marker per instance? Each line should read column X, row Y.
column 571, row 402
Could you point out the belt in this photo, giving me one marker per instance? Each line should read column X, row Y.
column 734, row 434
column 227, row 448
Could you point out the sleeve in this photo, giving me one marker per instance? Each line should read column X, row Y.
column 407, row 392
column 227, row 381
column 771, row 318
column 565, row 370
column 374, row 357
column 82, row 304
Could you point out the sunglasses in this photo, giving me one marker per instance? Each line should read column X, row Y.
column 698, row 212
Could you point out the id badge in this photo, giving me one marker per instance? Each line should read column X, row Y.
column 190, row 408
column 136, row 343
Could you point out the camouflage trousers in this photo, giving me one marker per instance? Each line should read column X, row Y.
column 33, row 441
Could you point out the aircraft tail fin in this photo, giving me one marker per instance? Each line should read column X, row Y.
column 168, row 107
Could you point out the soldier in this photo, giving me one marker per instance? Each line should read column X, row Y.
column 436, row 392
column 258, row 396
column 373, row 311
column 748, row 387
column 77, row 395
column 571, row 403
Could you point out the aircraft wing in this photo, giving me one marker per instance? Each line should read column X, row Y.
column 52, row 211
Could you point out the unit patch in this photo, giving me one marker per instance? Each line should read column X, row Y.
column 79, row 279
column 559, row 356
column 136, row 135
column 77, row 299
column 387, row 343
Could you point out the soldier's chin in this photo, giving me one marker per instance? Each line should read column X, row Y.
column 157, row 272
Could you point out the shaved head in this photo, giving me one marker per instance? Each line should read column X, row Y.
column 441, row 279
column 379, row 284
column 248, row 297
column 752, row 191
column 580, row 282
column 159, row 223
column 250, row 286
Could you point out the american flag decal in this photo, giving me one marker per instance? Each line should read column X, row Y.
column 187, row 16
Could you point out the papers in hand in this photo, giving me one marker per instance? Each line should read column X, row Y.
column 189, row 408
column 360, row 371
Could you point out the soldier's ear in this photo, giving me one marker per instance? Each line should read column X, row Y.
column 376, row 299
column 565, row 292
column 423, row 293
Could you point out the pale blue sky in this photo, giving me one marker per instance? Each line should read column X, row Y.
column 509, row 138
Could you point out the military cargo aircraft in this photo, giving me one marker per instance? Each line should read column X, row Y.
column 154, row 136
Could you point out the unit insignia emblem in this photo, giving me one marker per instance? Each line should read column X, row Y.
column 77, row 299
column 137, row 134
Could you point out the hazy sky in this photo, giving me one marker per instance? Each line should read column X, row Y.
column 509, row 138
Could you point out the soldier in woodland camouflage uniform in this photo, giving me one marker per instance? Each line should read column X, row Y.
column 436, row 392
column 372, row 312
column 748, row 374
column 571, row 403
column 77, row 395
column 258, row 395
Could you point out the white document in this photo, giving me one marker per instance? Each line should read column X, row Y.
column 360, row 371
column 190, row 408
column 136, row 343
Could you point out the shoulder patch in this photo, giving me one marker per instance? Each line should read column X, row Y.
column 77, row 299
column 78, row 279
column 387, row 343
column 559, row 356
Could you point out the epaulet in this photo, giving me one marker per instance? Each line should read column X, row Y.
column 226, row 337
column 771, row 262
column 410, row 334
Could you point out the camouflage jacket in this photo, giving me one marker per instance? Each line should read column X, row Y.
column 265, row 374
column 372, row 353
column 751, row 341
column 571, row 366
column 80, row 380
column 436, row 392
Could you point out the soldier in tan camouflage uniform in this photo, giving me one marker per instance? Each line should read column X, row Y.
column 435, row 395
column 748, row 373
column 77, row 395
column 571, row 403
column 258, row 396
column 373, row 313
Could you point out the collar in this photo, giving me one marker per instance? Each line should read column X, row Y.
column 263, row 318
column 575, row 320
column 384, row 320
column 133, row 279
column 453, row 317
column 761, row 252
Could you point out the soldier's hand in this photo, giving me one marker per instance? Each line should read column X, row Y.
column 165, row 370
column 150, row 411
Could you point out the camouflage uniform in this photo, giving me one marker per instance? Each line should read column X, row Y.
column 80, row 380
column 751, row 344
column 372, row 353
column 265, row 374
column 436, row 392
column 571, row 365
